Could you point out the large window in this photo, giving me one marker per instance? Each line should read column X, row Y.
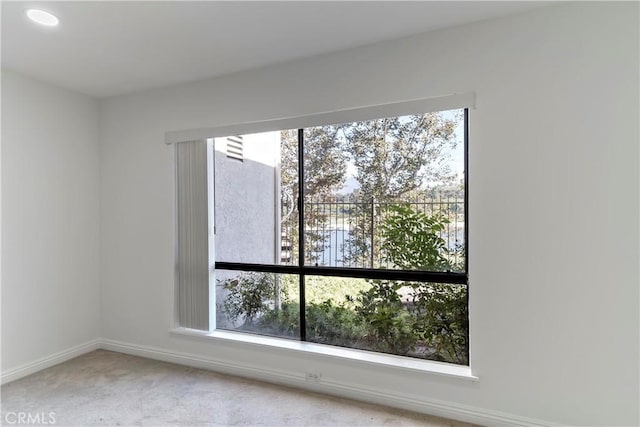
column 348, row 234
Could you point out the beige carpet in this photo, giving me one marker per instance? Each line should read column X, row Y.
column 112, row 389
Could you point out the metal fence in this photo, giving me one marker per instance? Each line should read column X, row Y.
column 344, row 232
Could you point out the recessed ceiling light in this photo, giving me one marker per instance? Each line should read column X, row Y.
column 43, row 18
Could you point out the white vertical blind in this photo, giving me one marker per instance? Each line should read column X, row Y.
column 192, row 246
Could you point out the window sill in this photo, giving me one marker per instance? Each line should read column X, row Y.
column 378, row 359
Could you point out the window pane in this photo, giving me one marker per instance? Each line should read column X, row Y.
column 259, row 303
column 256, row 185
column 421, row 320
column 386, row 193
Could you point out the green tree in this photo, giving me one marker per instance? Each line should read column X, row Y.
column 325, row 171
column 411, row 240
column 325, row 161
column 394, row 158
column 398, row 155
column 250, row 295
column 402, row 315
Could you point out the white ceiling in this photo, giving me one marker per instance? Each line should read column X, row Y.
column 109, row 48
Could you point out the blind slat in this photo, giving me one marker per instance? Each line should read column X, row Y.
column 192, row 258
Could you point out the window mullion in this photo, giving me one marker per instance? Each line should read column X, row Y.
column 466, row 190
column 301, row 254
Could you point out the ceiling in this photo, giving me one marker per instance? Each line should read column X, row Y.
column 109, row 48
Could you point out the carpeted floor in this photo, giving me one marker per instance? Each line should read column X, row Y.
column 112, row 389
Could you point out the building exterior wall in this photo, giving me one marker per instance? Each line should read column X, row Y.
column 246, row 208
column 246, row 200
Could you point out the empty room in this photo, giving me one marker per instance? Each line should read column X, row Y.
column 351, row 213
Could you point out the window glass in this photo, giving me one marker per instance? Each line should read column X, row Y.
column 255, row 198
column 422, row 320
column 259, row 303
column 376, row 190
column 381, row 200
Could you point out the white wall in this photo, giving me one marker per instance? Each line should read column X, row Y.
column 553, row 204
column 50, row 220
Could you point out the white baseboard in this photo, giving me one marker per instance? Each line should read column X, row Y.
column 412, row 403
column 48, row 361
column 422, row 405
